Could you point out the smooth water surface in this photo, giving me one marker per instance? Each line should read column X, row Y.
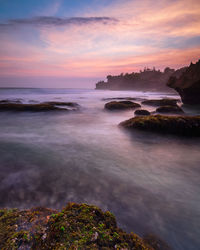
column 150, row 182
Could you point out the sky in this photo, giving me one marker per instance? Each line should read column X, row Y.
column 75, row 43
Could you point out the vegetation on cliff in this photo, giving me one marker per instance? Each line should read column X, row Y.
column 77, row 226
column 148, row 79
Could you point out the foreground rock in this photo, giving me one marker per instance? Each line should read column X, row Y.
column 179, row 125
column 161, row 102
column 170, row 109
column 48, row 106
column 77, row 226
column 142, row 112
column 188, row 84
column 122, row 105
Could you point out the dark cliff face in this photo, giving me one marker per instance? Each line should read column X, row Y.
column 187, row 84
column 147, row 80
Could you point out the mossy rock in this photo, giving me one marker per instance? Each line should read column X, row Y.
column 179, row 125
column 38, row 107
column 170, row 109
column 121, row 105
column 142, row 112
column 77, row 226
column 161, row 102
column 69, row 104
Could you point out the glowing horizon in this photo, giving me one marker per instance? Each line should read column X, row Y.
column 83, row 42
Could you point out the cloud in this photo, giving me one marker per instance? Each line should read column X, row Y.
column 115, row 38
column 58, row 21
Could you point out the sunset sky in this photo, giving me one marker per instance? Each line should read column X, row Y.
column 74, row 43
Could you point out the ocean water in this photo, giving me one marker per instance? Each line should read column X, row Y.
column 150, row 182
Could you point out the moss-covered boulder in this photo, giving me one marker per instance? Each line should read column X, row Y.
column 46, row 106
column 161, row 102
column 142, row 112
column 170, row 109
column 121, row 105
column 179, row 125
column 77, row 226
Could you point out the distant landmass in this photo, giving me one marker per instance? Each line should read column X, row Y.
column 146, row 80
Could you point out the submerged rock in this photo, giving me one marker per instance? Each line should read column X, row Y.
column 161, row 102
column 170, row 109
column 69, row 104
column 142, row 112
column 179, row 125
column 77, row 226
column 48, row 106
column 155, row 242
column 187, row 84
column 11, row 101
column 121, row 98
column 122, row 105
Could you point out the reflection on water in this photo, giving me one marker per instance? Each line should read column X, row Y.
column 150, row 182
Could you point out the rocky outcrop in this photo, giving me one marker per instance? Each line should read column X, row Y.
column 77, row 226
column 179, row 125
column 142, row 112
column 161, row 102
column 170, row 109
column 122, row 105
column 38, row 107
column 187, row 84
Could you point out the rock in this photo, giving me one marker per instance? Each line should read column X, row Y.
column 94, row 236
column 156, row 243
column 11, row 101
column 121, row 98
column 161, row 102
column 188, row 84
column 179, row 125
column 48, row 106
column 142, row 112
column 77, row 226
column 122, row 105
column 170, row 109
column 69, row 104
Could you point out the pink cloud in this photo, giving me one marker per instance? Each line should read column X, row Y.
column 97, row 50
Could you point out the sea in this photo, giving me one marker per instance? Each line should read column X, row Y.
column 150, row 182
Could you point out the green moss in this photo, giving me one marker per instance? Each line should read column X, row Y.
column 180, row 125
column 46, row 106
column 77, row 226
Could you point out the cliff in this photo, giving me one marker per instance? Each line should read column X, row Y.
column 147, row 80
column 187, row 84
